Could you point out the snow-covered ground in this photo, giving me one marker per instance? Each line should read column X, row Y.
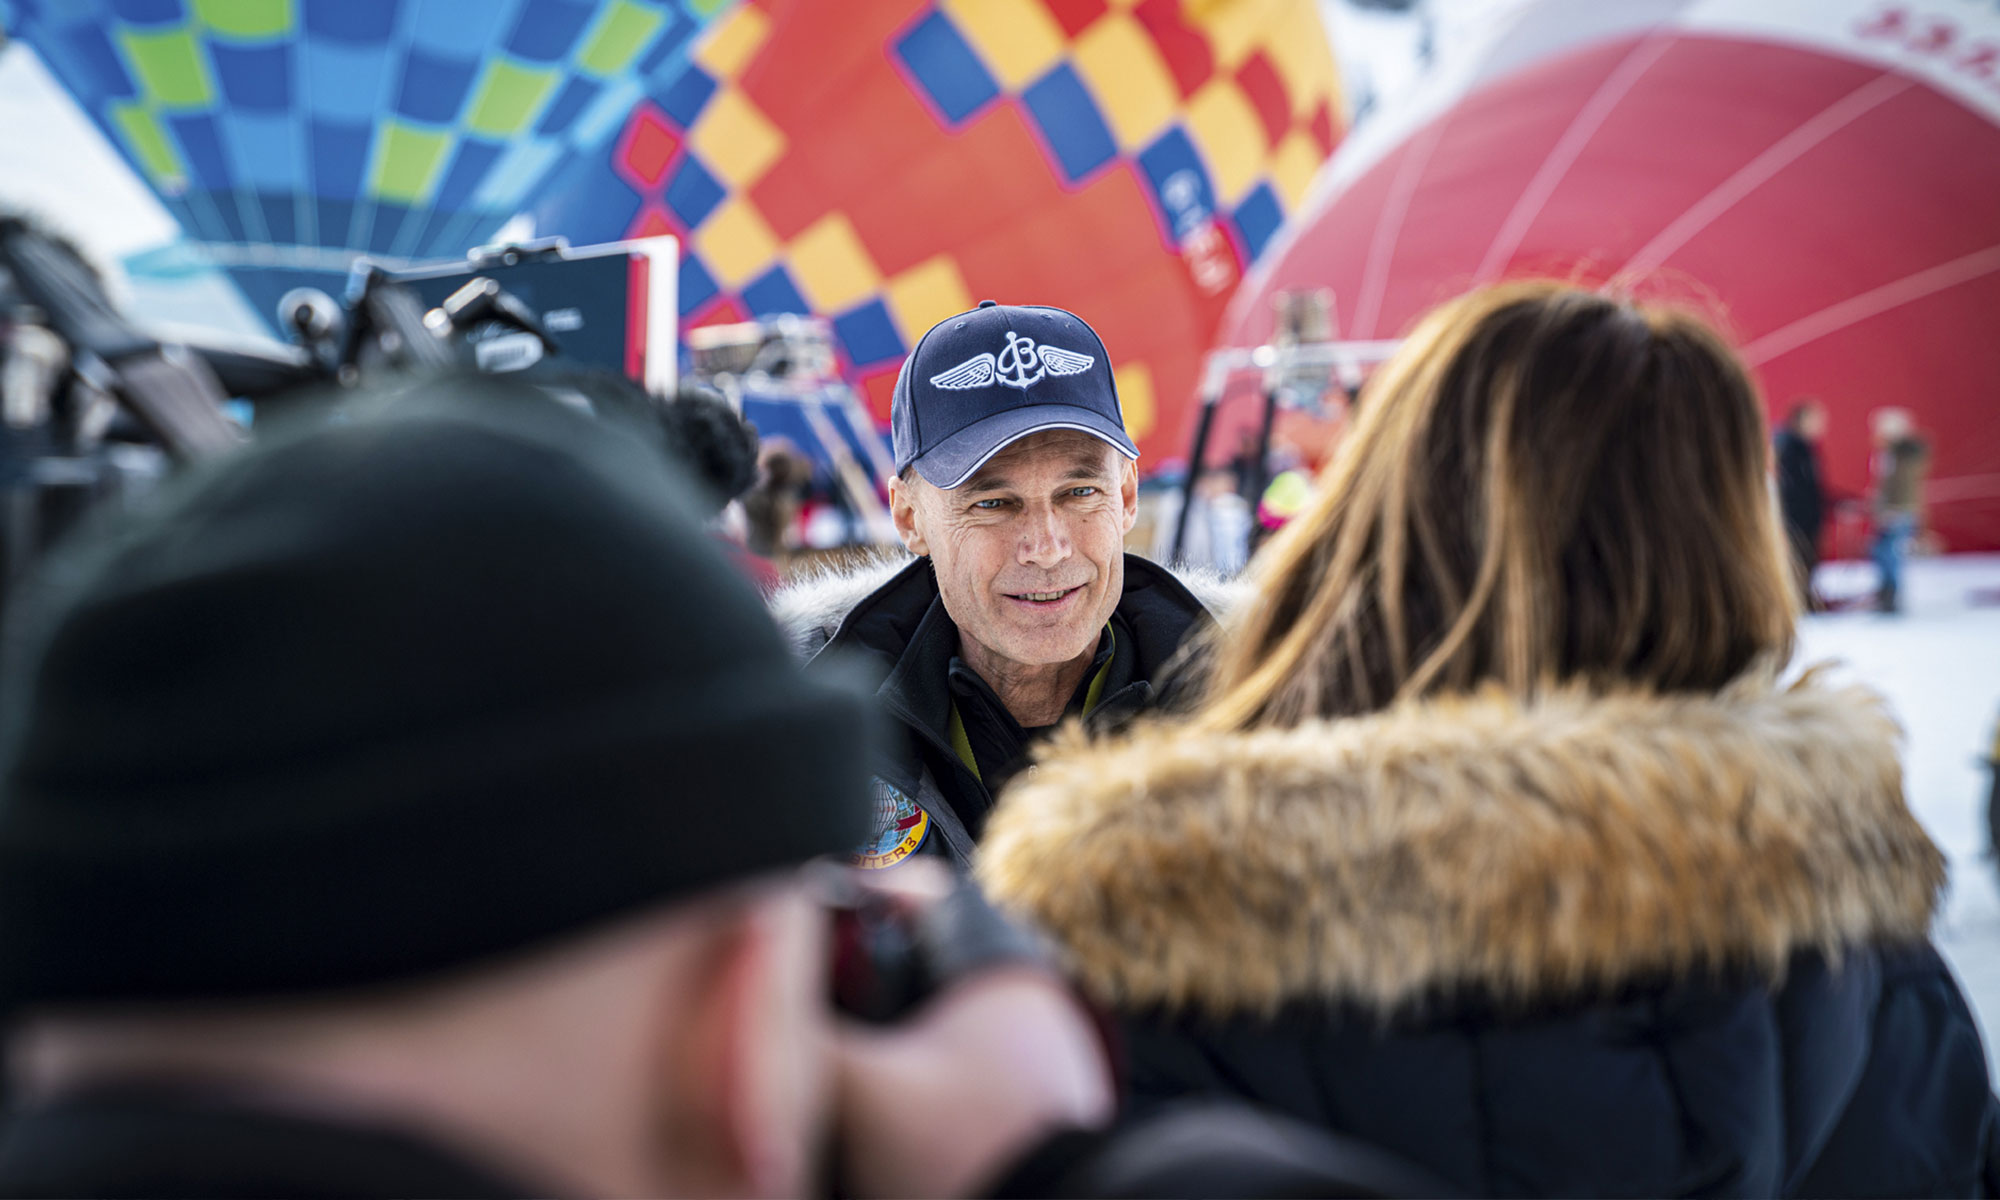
column 1939, row 665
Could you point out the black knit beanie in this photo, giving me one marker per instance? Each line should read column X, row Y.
column 392, row 696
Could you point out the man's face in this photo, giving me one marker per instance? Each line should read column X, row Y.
column 1029, row 552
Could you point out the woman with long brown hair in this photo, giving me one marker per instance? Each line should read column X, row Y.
column 1494, row 838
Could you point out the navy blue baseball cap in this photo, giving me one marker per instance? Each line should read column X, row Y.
column 983, row 380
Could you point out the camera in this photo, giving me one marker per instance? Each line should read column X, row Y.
column 509, row 307
column 92, row 409
column 95, row 410
column 892, row 953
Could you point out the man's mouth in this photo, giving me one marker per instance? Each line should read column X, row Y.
column 1055, row 597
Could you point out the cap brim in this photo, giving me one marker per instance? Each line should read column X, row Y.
column 952, row 461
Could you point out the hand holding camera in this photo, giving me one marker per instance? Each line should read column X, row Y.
column 992, row 1050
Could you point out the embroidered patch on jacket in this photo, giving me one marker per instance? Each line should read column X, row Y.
column 900, row 829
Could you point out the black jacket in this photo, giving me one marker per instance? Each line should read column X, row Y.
column 1800, row 497
column 123, row 1145
column 154, row 1142
column 901, row 631
column 1593, row 945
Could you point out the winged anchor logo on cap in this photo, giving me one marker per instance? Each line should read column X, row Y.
column 1022, row 364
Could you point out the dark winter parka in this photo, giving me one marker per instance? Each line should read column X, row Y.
column 1801, row 499
column 888, row 616
column 1592, row 945
column 154, row 1141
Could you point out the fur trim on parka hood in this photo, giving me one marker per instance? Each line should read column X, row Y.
column 1477, row 845
column 811, row 604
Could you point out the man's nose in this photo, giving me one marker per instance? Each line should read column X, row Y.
column 1044, row 538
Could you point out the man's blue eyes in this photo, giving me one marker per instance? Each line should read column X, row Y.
column 992, row 504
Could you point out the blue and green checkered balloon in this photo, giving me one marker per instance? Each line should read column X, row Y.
column 291, row 135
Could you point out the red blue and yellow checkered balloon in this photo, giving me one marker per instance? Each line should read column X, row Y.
column 883, row 163
column 886, row 163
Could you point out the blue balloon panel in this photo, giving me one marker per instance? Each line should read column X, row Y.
column 320, row 130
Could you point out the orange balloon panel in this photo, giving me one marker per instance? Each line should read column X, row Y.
column 886, row 163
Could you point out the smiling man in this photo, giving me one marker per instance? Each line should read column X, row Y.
column 1016, row 484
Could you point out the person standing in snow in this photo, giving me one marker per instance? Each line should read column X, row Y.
column 1901, row 459
column 1801, row 496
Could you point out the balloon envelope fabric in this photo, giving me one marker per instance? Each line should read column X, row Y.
column 1820, row 178
column 885, row 163
column 287, row 136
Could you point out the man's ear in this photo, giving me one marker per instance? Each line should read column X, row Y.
column 749, row 1065
column 903, row 511
column 1128, row 491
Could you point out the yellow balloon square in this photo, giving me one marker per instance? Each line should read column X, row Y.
column 1297, row 46
column 727, row 48
column 1235, row 28
column 831, row 266
column 926, row 294
column 1127, row 78
column 1017, row 39
column 735, row 243
column 1230, row 137
column 736, row 141
column 1293, row 166
column 1135, row 398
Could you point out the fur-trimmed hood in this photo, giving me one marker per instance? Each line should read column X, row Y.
column 811, row 606
column 1475, row 845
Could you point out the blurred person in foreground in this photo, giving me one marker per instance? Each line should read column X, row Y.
column 1801, row 496
column 1495, row 840
column 1901, row 459
column 416, row 806
column 1016, row 485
